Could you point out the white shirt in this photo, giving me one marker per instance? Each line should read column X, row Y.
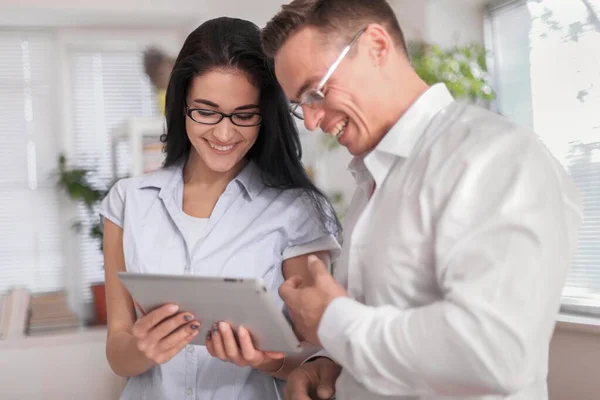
column 456, row 263
column 251, row 231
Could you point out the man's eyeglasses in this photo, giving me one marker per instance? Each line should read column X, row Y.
column 314, row 97
column 212, row 117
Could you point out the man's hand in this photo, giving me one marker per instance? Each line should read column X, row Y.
column 313, row 380
column 307, row 303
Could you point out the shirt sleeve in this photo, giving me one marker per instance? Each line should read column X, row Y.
column 506, row 232
column 307, row 232
column 112, row 206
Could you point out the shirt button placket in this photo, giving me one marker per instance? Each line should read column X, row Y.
column 191, row 370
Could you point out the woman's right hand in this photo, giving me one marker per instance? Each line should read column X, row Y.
column 164, row 332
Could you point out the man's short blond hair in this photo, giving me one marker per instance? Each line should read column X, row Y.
column 340, row 17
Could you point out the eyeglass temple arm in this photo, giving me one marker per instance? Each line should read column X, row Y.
column 337, row 62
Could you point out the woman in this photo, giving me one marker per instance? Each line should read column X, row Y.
column 232, row 200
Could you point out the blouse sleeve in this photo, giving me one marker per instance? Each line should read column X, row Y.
column 308, row 233
column 112, row 206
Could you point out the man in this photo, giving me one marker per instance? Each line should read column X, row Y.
column 457, row 240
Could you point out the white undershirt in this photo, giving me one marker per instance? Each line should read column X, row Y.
column 194, row 228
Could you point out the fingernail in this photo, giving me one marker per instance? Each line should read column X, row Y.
column 208, row 335
column 188, row 318
column 172, row 308
column 195, row 326
column 215, row 328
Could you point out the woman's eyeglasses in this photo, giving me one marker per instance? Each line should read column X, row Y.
column 212, row 117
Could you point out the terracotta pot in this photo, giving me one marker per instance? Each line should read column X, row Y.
column 99, row 293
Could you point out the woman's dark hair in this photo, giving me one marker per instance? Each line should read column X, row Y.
column 231, row 43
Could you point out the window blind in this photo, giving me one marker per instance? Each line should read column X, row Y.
column 107, row 88
column 510, row 26
column 561, row 39
column 30, row 227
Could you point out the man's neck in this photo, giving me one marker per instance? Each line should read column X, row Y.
column 400, row 95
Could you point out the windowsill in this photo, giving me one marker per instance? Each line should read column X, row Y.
column 578, row 323
column 83, row 335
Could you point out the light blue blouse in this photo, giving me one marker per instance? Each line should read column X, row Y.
column 250, row 232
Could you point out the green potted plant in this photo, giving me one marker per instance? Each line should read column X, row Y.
column 76, row 184
column 462, row 68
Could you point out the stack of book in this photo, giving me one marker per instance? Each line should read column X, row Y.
column 49, row 312
column 14, row 311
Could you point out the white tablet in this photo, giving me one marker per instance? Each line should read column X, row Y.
column 243, row 302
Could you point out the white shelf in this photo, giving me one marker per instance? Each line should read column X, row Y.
column 137, row 132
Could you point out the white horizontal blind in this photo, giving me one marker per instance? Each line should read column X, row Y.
column 107, row 88
column 30, row 228
column 564, row 70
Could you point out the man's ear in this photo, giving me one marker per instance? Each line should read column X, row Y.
column 379, row 43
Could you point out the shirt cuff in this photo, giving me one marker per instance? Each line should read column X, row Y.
column 318, row 354
column 336, row 321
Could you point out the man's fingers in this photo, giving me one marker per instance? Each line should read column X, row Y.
column 298, row 386
column 287, row 288
column 325, row 392
column 328, row 373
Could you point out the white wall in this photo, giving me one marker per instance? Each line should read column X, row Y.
column 67, row 366
column 181, row 13
column 443, row 22
column 575, row 363
column 412, row 17
column 105, row 12
column 452, row 22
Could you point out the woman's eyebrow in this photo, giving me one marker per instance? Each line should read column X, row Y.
column 215, row 105
column 247, row 107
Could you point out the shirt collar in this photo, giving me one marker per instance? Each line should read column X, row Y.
column 401, row 139
column 167, row 179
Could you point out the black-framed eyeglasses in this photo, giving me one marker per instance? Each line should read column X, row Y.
column 212, row 117
column 314, row 98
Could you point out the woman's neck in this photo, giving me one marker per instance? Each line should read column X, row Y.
column 197, row 173
column 202, row 186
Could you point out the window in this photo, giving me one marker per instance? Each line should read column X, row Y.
column 30, row 224
column 107, row 88
column 547, row 74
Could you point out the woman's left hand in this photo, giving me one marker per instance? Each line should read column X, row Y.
column 222, row 344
